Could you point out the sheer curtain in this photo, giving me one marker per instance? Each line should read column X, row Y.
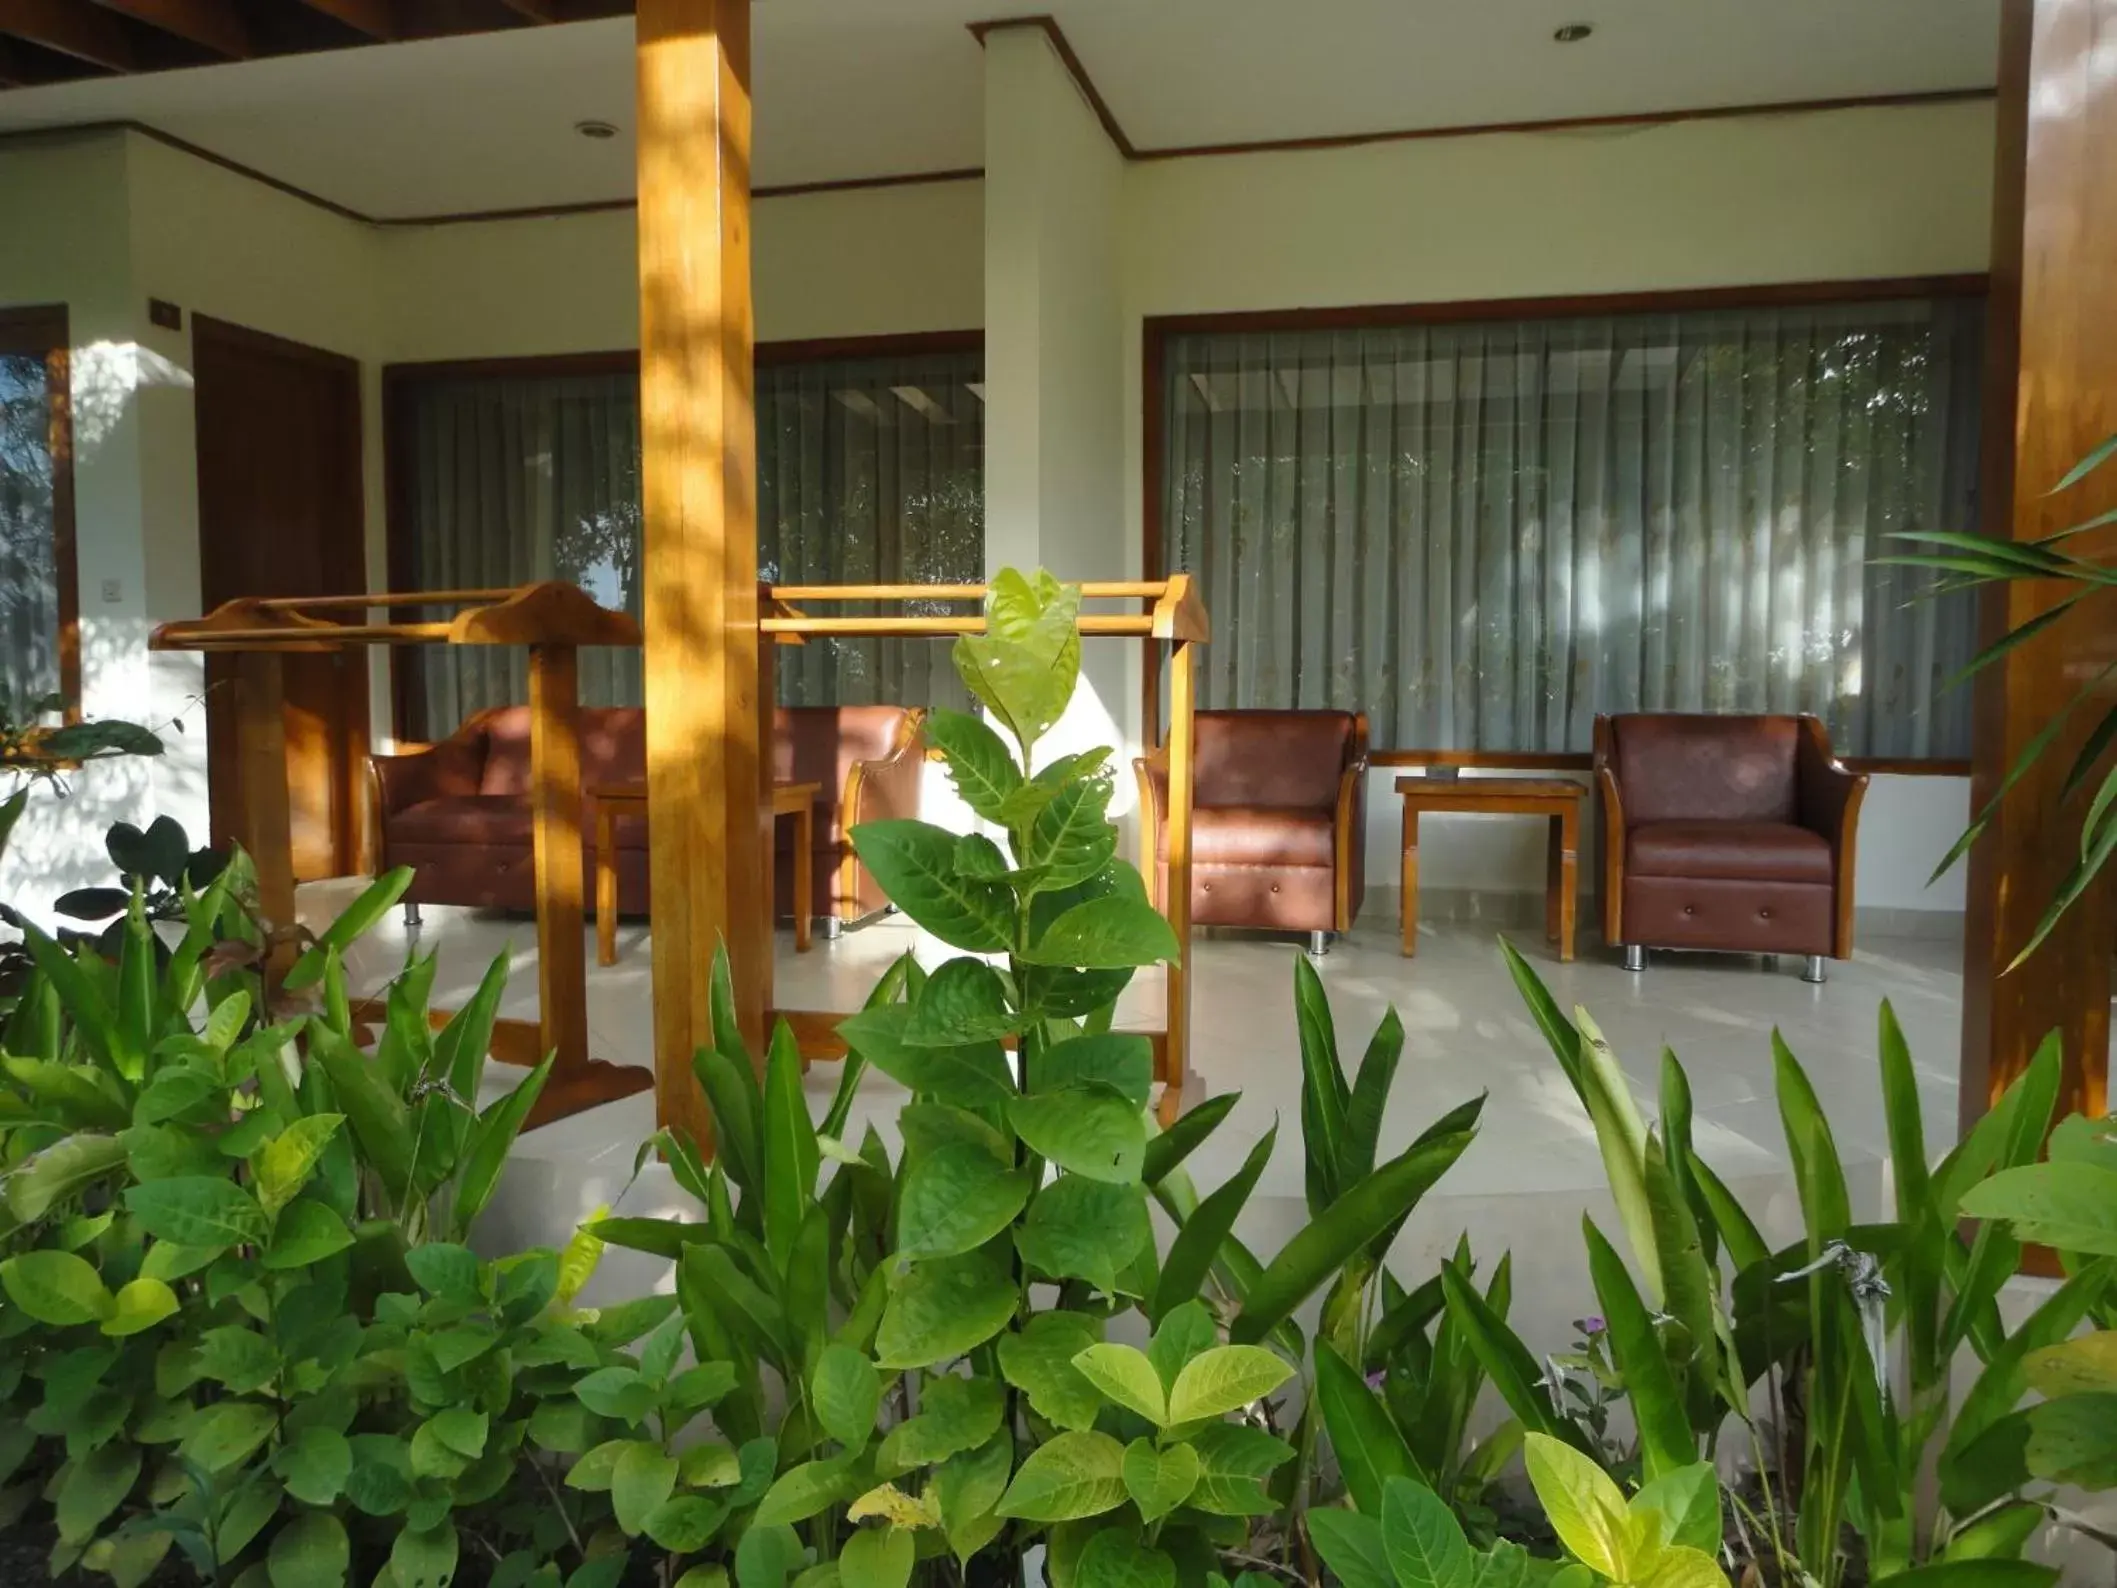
column 868, row 470
column 29, row 580
column 1484, row 534
column 871, row 471
column 514, row 479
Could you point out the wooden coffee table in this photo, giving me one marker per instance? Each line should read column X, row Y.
column 797, row 800
column 1556, row 798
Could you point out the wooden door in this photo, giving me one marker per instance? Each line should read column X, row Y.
column 280, row 514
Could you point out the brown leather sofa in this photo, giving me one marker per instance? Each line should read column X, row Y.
column 1729, row 832
column 1278, row 821
column 458, row 811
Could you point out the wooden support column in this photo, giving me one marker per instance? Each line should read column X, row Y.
column 555, row 853
column 2051, row 395
column 708, row 834
column 1177, row 905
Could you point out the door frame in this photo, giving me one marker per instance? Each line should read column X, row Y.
column 344, row 561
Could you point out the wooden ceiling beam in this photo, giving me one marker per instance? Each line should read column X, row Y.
column 542, row 11
column 71, row 27
column 376, row 18
column 212, row 24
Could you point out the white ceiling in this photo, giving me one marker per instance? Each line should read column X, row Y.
column 855, row 88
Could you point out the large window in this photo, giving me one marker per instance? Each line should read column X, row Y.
column 1483, row 534
column 39, row 666
column 870, row 468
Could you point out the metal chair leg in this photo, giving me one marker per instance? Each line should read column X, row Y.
column 829, row 927
column 413, row 920
column 1813, row 970
column 1635, row 958
column 1318, row 944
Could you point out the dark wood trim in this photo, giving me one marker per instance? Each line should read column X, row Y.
column 204, row 327
column 1674, row 300
column 1155, row 330
column 1049, row 27
column 1640, row 118
column 45, row 331
column 611, row 361
column 1905, row 766
column 901, row 344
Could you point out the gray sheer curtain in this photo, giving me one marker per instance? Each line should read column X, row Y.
column 1484, row 534
column 871, row 471
column 868, row 470
column 514, row 479
column 29, row 581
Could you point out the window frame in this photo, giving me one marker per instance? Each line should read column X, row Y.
column 1156, row 330
column 45, row 330
column 398, row 380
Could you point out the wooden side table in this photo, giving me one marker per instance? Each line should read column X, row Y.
column 797, row 800
column 1559, row 799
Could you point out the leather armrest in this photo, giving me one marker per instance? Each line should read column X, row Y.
column 886, row 787
column 425, row 772
column 1152, row 771
column 1827, row 796
column 1612, row 838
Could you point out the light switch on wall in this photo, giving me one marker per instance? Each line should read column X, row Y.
column 113, row 591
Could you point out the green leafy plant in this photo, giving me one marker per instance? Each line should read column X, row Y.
column 1972, row 561
column 1833, row 1354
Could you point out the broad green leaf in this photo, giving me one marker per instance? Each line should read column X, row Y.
column 914, row 862
column 1970, row 1574
column 1327, row 1242
column 283, row 1165
column 1090, row 1130
column 1113, row 1558
column 1039, row 1362
column 2069, row 1206
column 1121, row 1061
column 1085, row 1229
column 1225, row 1379
column 956, row 1198
column 1198, row 1244
column 1024, row 666
column 791, row 1158
column 1423, row 1540
column 2074, row 1440
column 617, row 1392
column 311, row 1551
column 355, row 921
column 491, row 1139
column 1689, row 1499
column 49, row 1177
column 139, row 1305
column 305, row 1234
column 2088, row 1364
column 1999, row 1535
column 237, row 1357
column 75, row 1095
column 1233, row 1462
column 1169, row 1149
column 944, row 1308
column 93, row 1487
column 1071, row 838
column 1159, row 1480
column 1182, row 1333
column 955, row 1415
column 963, row 1001
column 766, row 1556
column 1126, row 1376
column 444, row 1268
column 1324, row 1092
column 373, row 1109
column 642, row 1479
column 1585, row 1508
column 1370, row 1095
column 1666, row 1442
column 978, row 760
column 1621, row 1138
column 972, row 1076
column 1365, row 1438
column 686, row 1523
column 315, row 1464
column 738, row 1107
column 1351, row 1546
column 967, row 1487
column 1115, row 932
column 804, row 1491
column 876, row 1557
column 1072, row 1475
column 56, row 1288
column 424, row 1557
column 846, row 1393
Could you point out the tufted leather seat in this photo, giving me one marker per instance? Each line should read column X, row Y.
column 1726, row 832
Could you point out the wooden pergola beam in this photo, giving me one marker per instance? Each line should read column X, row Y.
column 376, row 18
column 71, row 27
column 212, row 24
column 708, row 823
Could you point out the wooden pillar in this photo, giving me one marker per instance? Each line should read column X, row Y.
column 1177, row 905
column 708, row 837
column 555, row 853
column 2051, row 395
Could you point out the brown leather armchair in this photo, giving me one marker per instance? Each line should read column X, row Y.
column 457, row 811
column 1729, row 832
column 1278, row 821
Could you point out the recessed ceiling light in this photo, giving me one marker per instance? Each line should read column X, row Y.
column 1574, row 32
column 595, row 129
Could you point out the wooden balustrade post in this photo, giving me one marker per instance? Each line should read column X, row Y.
column 555, row 853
